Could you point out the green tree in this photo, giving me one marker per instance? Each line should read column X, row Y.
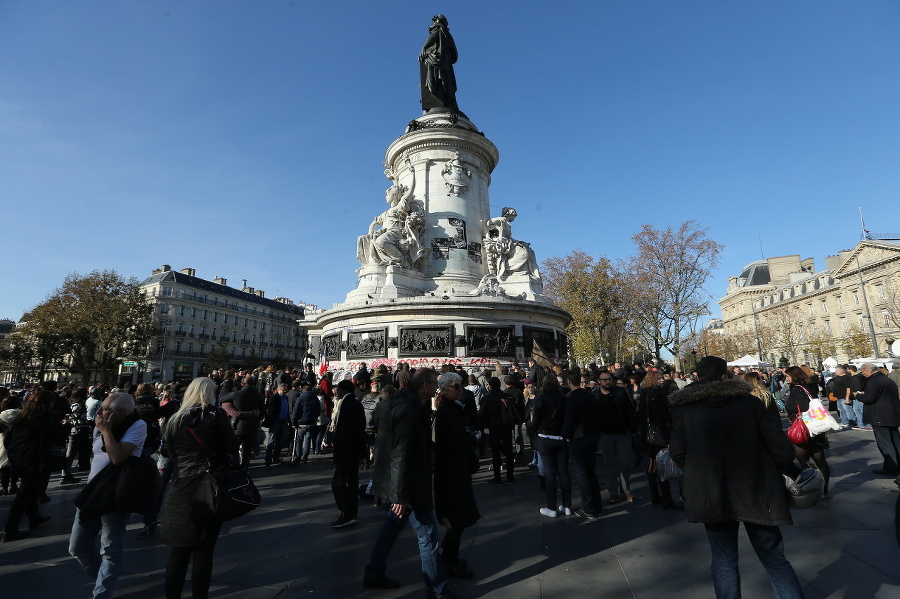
column 99, row 318
column 587, row 289
column 666, row 280
column 218, row 359
column 856, row 343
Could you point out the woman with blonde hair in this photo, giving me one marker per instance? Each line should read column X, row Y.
column 653, row 411
column 760, row 390
column 198, row 435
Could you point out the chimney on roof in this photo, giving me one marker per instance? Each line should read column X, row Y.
column 188, row 271
column 260, row 293
column 165, row 268
column 220, row 280
column 250, row 290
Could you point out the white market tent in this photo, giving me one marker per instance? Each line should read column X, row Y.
column 749, row 361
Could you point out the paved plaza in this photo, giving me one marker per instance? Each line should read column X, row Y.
column 845, row 547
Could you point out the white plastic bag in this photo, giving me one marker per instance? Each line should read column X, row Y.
column 666, row 468
column 819, row 420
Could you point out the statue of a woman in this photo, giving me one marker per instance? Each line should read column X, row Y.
column 399, row 240
column 436, row 60
column 506, row 255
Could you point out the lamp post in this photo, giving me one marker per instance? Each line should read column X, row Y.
column 862, row 285
column 162, row 354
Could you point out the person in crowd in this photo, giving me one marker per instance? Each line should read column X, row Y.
column 496, row 413
column 801, row 391
column 580, row 429
column 617, row 425
column 840, row 389
column 276, row 420
column 198, row 436
column 79, row 434
column 882, row 412
column 733, row 455
column 761, row 391
column 546, row 424
column 244, row 407
column 349, row 442
column 653, row 411
column 98, row 543
column 32, row 433
column 370, row 404
column 454, row 498
column 856, row 383
column 10, row 408
column 305, row 417
column 403, row 479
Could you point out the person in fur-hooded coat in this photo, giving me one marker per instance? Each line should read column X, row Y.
column 732, row 452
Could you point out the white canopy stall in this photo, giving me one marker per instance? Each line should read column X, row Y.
column 749, row 361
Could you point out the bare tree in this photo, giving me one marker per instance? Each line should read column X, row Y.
column 666, row 282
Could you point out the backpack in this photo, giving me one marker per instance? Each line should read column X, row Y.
column 369, row 404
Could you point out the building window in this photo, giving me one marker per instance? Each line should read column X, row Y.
column 844, row 325
column 814, row 329
column 190, row 347
column 881, row 292
column 202, row 330
column 178, row 346
column 828, row 326
column 840, row 301
column 254, row 324
column 234, row 336
column 811, row 312
column 856, row 298
column 216, row 317
column 164, row 308
column 180, row 310
column 824, row 307
column 191, row 331
column 862, row 320
column 886, row 318
column 245, row 322
column 193, row 312
column 225, row 318
column 167, row 291
column 263, row 326
column 205, row 314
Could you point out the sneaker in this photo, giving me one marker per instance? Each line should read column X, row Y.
column 869, row 428
column 614, row 499
column 629, row 497
column 545, row 511
column 531, row 466
column 344, row 521
column 856, row 427
column 588, row 515
column 68, row 480
column 565, row 511
column 382, row 582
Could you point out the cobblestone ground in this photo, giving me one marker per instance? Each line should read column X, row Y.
column 844, row 547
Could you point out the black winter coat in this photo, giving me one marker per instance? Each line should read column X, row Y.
column 548, row 414
column 403, row 451
column 882, row 406
column 617, row 415
column 496, row 413
column 246, row 399
column 454, row 498
column 732, row 454
column 349, row 438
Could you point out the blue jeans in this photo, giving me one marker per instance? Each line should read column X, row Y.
column 769, row 547
column 848, row 414
column 555, row 455
column 617, row 459
column 425, row 525
column 583, row 452
column 306, row 438
column 858, row 410
column 101, row 558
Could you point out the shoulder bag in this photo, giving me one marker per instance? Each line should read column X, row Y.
column 224, row 493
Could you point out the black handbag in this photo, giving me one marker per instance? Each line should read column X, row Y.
column 655, row 437
column 132, row 487
column 224, row 493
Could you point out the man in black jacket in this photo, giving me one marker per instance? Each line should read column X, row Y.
column 244, row 407
column 580, row 429
column 497, row 413
column 882, row 412
column 349, row 447
column 733, row 453
column 617, row 423
column 403, row 480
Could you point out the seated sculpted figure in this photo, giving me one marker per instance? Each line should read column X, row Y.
column 505, row 255
column 399, row 240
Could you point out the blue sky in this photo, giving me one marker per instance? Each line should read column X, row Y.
column 245, row 139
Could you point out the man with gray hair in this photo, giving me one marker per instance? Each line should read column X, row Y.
column 882, row 412
column 119, row 433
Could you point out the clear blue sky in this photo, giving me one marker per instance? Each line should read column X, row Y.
column 245, row 139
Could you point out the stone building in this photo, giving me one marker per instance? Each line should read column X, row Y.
column 198, row 317
column 805, row 315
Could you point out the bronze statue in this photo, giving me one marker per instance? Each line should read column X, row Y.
column 436, row 61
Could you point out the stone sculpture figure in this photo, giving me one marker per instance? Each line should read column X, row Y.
column 438, row 82
column 399, row 240
column 505, row 255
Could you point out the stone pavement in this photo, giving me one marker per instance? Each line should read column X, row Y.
column 845, row 547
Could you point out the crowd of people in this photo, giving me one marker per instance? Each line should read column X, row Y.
column 424, row 433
